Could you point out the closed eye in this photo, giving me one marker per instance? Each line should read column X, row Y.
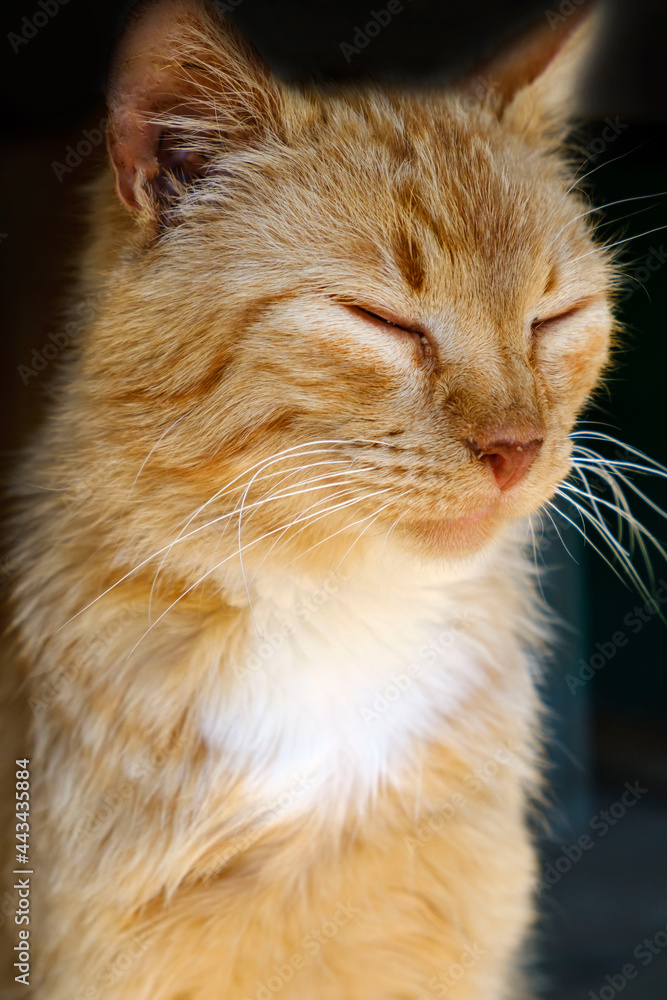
column 392, row 323
column 383, row 319
column 540, row 325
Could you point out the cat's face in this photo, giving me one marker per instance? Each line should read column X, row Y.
column 401, row 286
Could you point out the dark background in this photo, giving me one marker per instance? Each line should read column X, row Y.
column 606, row 732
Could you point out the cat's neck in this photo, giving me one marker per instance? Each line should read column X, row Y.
column 365, row 668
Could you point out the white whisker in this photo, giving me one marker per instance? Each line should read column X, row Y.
column 261, row 466
column 273, row 497
column 619, row 551
column 610, row 479
column 609, row 204
column 581, row 531
column 346, row 527
column 181, row 537
column 604, row 247
column 392, row 528
column 375, row 516
column 157, row 444
column 340, row 530
column 609, row 439
column 629, row 518
column 315, row 518
column 248, row 545
column 562, row 540
column 613, row 473
column 605, row 163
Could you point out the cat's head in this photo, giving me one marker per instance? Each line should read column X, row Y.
column 349, row 308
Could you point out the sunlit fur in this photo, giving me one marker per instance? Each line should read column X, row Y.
column 253, row 506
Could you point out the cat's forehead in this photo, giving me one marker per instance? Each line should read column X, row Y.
column 404, row 139
column 430, row 185
column 391, row 198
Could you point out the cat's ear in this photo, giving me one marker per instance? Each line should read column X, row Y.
column 184, row 86
column 535, row 84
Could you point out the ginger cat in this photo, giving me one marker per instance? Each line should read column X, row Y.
column 272, row 602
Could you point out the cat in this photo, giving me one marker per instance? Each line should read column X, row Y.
column 281, row 637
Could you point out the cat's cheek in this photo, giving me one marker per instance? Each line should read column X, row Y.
column 572, row 371
column 585, row 366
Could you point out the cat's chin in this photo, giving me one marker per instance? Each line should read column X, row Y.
column 458, row 536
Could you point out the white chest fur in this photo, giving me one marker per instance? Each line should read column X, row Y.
column 345, row 682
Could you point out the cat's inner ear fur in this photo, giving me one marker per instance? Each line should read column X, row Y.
column 535, row 84
column 183, row 88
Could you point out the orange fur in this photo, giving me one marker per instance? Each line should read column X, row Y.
column 227, row 330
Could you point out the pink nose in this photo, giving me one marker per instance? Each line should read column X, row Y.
column 508, row 460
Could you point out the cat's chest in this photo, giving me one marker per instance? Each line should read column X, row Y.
column 340, row 692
